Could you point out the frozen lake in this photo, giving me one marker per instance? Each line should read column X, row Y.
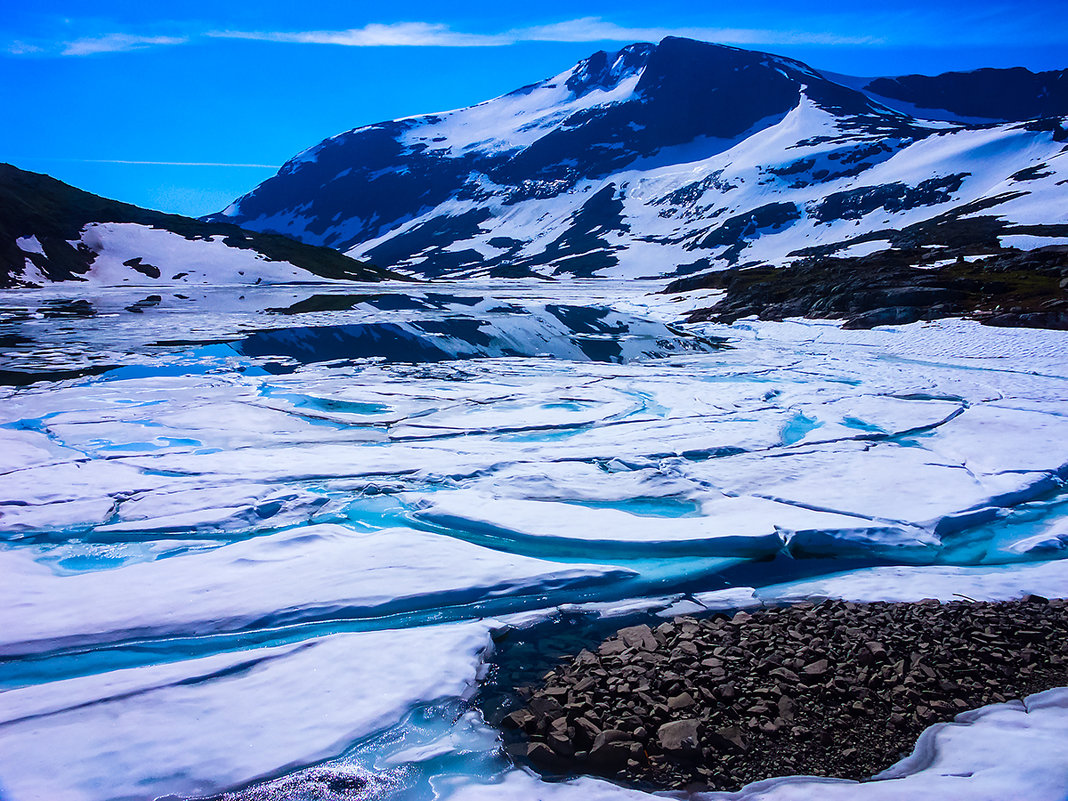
column 260, row 543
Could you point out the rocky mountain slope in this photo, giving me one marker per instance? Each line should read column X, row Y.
column 680, row 158
column 50, row 231
column 895, row 286
column 1003, row 95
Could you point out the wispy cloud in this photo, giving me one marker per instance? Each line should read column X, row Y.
column 160, row 163
column 585, row 29
column 117, row 43
column 433, row 34
column 18, row 48
column 401, row 34
column 596, row 29
column 180, row 163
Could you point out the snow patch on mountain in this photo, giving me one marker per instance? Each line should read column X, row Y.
column 128, row 253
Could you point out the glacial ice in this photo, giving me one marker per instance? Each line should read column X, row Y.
column 166, row 524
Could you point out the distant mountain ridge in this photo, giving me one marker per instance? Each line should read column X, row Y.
column 51, row 232
column 1006, row 95
column 671, row 159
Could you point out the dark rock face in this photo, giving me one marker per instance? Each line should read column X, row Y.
column 855, row 203
column 741, row 228
column 32, row 204
column 1015, row 94
column 693, row 89
column 896, row 287
column 839, row 689
column 433, row 238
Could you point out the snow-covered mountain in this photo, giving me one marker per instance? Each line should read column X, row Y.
column 50, row 232
column 677, row 158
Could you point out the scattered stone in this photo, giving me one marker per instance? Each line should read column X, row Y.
column 640, row 637
column 520, row 719
column 732, row 737
column 541, row 753
column 612, row 748
column 678, row 737
column 836, row 689
column 561, row 744
column 681, row 701
column 902, row 284
column 817, row 669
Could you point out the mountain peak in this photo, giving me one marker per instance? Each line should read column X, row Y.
column 660, row 158
column 604, row 70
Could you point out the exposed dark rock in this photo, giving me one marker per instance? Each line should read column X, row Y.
column 839, row 689
column 996, row 94
column 1008, row 288
column 856, row 203
column 678, row 737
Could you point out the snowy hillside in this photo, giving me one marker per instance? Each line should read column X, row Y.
column 50, row 231
column 669, row 159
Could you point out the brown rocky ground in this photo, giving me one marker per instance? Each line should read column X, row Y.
column 1008, row 288
column 839, row 689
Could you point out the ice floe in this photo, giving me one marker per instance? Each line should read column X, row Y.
column 323, row 572
column 200, row 726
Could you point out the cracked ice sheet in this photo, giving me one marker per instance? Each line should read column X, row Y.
column 113, row 497
column 744, row 527
column 317, row 572
column 214, row 510
column 1003, row 752
column 466, row 454
column 190, row 421
column 992, row 439
column 947, row 358
column 861, row 415
column 68, row 495
column 202, row 726
column 191, row 506
column 20, row 449
column 883, row 481
column 901, row 583
column 581, row 481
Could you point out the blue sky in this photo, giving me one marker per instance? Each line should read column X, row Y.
column 184, row 108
